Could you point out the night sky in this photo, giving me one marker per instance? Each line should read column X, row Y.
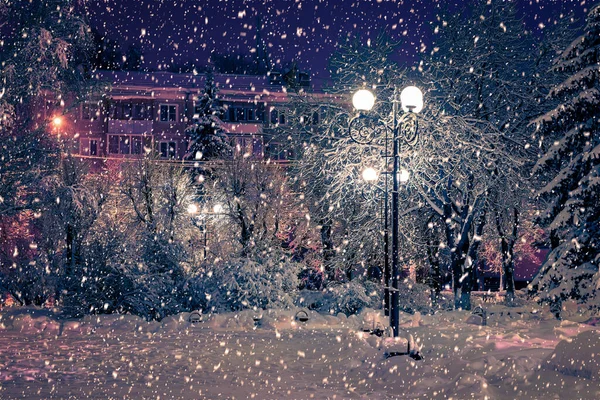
column 176, row 32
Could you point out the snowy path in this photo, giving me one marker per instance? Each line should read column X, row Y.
column 136, row 360
column 202, row 364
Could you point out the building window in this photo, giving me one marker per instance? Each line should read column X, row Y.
column 248, row 146
column 126, row 111
column 136, row 145
column 274, row 116
column 240, row 113
column 141, row 111
column 257, row 148
column 315, row 118
column 113, row 144
column 126, row 144
column 93, row 149
column 90, row 111
column 168, row 113
column 89, row 147
column 278, row 152
column 167, row 149
column 277, row 117
column 120, row 110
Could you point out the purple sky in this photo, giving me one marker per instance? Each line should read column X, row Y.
column 174, row 32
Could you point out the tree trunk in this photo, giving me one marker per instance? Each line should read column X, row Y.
column 246, row 231
column 328, row 251
column 435, row 274
column 470, row 263
column 507, row 245
column 70, row 256
column 456, row 278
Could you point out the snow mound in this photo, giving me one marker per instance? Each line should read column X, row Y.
column 578, row 356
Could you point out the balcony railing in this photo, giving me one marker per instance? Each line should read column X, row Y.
column 133, row 126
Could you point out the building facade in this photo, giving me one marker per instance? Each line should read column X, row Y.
column 144, row 111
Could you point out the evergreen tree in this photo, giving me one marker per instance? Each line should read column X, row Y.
column 207, row 136
column 134, row 58
column 44, row 65
column 570, row 172
column 44, row 54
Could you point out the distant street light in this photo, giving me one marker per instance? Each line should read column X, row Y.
column 405, row 129
column 57, row 122
column 194, row 211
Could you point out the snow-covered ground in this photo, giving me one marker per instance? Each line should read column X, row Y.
column 524, row 355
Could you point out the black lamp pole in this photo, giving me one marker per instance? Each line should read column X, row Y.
column 395, row 309
column 386, row 239
column 405, row 129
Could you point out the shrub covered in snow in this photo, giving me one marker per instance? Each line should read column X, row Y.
column 269, row 281
column 351, row 297
column 415, row 297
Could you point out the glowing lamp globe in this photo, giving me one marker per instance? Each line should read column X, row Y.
column 404, row 176
column 57, row 121
column 192, row 209
column 411, row 99
column 363, row 100
column 369, row 175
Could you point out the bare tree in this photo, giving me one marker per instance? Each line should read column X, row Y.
column 258, row 206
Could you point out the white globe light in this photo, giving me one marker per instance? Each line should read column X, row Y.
column 404, row 176
column 369, row 175
column 363, row 100
column 411, row 99
column 192, row 209
column 57, row 121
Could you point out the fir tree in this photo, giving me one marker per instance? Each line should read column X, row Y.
column 570, row 172
column 208, row 140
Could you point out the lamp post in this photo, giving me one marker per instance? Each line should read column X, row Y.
column 404, row 128
column 57, row 122
column 193, row 210
column 369, row 175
